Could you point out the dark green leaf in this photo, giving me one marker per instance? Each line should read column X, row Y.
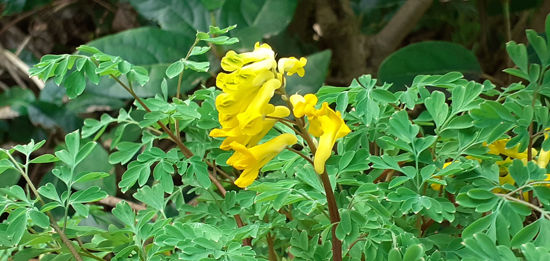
column 403, row 65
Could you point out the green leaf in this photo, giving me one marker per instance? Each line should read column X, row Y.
column 200, row 170
column 44, row 158
column 181, row 16
column 481, row 194
column 72, row 141
column 84, row 151
column 539, row 44
column 15, row 192
column 152, row 57
column 88, row 49
column 126, row 151
column 519, row 172
column 136, row 170
column 256, row 19
column 197, row 66
column 478, row 226
column 81, row 209
column 222, row 40
column 49, row 191
column 75, row 84
column 124, row 213
column 91, row 176
column 413, row 253
column 383, row 96
column 49, row 206
column 398, row 181
column 518, row 54
column 436, row 106
column 198, row 50
column 394, row 255
column 89, row 195
column 5, row 164
column 61, row 70
column 526, row 234
column 402, row 66
column 152, row 196
column 174, row 69
column 401, row 126
column 17, row 225
column 39, row 218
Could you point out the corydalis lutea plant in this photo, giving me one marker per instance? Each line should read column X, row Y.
column 379, row 187
column 247, row 116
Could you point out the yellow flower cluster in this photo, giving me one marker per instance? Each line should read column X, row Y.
column 499, row 148
column 245, row 113
column 324, row 123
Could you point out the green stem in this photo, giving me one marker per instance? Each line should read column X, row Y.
column 540, row 210
column 58, row 230
column 329, row 194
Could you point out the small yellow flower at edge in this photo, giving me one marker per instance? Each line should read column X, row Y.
column 292, row 65
column 303, row 105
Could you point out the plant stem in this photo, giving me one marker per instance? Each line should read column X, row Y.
column 334, row 215
column 301, row 155
column 331, row 201
column 540, row 210
column 61, row 234
column 270, row 246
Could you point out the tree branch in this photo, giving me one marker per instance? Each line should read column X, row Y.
column 401, row 24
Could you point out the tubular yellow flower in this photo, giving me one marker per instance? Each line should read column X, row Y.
column 499, row 147
column 250, row 121
column 292, row 65
column 251, row 160
column 233, row 61
column 329, row 126
column 235, row 134
column 237, row 82
column 303, row 105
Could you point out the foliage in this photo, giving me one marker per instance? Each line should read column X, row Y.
column 445, row 169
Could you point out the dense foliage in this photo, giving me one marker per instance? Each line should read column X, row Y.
column 261, row 165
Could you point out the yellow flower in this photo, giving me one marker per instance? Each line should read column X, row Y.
column 235, row 134
column 499, row 147
column 251, row 160
column 233, row 61
column 544, row 155
column 436, row 186
column 303, row 105
column 329, row 126
column 250, row 120
column 292, row 65
column 243, row 81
